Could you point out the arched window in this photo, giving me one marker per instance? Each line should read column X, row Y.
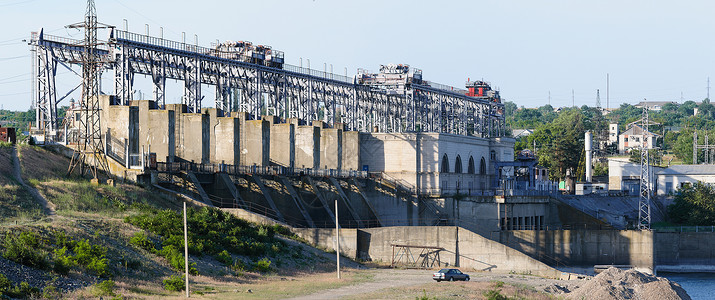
column 493, row 155
column 458, row 165
column 470, row 168
column 482, row 167
column 445, row 164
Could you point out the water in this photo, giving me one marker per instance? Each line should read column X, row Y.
column 698, row 285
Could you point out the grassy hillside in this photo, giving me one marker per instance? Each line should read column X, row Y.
column 124, row 240
column 17, row 205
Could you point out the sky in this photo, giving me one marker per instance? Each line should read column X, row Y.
column 654, row 50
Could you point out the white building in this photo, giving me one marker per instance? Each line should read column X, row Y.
column 625, row 176
column 673, row 178
column 633, row 139
column 436, row 162
column 613, row 133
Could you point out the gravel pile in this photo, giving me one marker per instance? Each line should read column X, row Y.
column 17, row 273
column 618, row 284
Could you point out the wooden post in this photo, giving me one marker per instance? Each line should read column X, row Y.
column 337, row 238
column 186, row 252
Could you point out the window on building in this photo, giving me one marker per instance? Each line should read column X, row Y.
column 482, row 167
column 493, row 155
column 445, row 164
column 470, row 168
column 458, row 165
column 625, row 139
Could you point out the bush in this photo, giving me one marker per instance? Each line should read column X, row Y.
column 23, row 290
column 92, row 257
column 176, row 259
column 51, row 292
column 224, row 257
column 141, row 240
column 24, row 249
column 263, row 265
column 104, row 288
column 5, row 284
column 63, row 261
column 174, row 283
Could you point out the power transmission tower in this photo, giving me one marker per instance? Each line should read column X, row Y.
column 645, row 188
column 598, row 98
column 89, row 153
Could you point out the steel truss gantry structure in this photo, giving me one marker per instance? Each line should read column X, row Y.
column 645, row 187
column 287, row 92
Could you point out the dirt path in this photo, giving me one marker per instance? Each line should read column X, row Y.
column 49, row 207
column 384, row 278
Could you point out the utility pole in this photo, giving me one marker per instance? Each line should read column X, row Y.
column 608, row 83
column 549, row 98
column 708, row 87
column 573, row 98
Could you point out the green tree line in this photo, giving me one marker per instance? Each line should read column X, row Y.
column 559, row 135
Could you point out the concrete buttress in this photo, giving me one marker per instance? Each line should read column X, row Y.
column 268, row 197
column 297, row 200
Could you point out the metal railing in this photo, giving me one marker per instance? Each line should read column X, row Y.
column 175, row 167
column 685, row 229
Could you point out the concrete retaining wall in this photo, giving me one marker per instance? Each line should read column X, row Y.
column 685, row 248
column 585, row 247
column 463, row 248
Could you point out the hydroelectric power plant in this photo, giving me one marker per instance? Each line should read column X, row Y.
column 423, row 174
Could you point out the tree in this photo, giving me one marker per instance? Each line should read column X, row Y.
column 693, row 205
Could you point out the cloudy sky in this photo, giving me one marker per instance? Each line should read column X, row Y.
column 657, row 50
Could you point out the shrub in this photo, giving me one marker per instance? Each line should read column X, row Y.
column 23, row 290
column 263, row 265
column 174, row 283
column 5, row 284
column 176, row 259
column 92, row 257
column 141, row 240
column 224, row 257
column 63, row 261
column 24, row 249
column 104, row 288
column 51, row 292
column 495, row 295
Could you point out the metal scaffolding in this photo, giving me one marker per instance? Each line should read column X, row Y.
column 261, row 86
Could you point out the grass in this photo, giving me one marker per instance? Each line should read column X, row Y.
column 17, row 206
column 276, row 288
column 89, row 239
column 458, row 290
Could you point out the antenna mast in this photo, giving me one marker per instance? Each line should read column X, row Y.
column 89, row 153
column 645, row 189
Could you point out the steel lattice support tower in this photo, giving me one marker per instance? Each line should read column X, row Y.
column 89, row 154
column 645, row 188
